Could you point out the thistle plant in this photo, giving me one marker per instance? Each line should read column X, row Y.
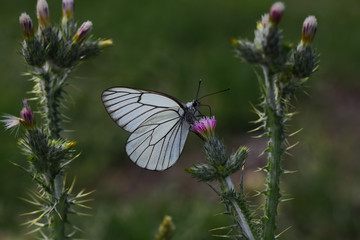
column 285, row 71
column 50, row 54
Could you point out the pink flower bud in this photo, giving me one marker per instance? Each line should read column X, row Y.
column 42, row 13
column 26, row 25
column 309, row 30
column 83, row 32
column 27, row 115
column 205, row 127
column 68, row 9
column 276, row 12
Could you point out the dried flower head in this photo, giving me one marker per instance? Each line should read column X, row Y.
column 205, row 127
column 11, row 122
column 68, row 9
column 309, row 30
column 42, row 13
column 83, row 32
column 27, row 115
column 276, row 12
column 26, row 25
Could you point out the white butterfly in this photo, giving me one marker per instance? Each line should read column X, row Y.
column 159, row 124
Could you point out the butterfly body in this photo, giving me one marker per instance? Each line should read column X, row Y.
column 158, row 123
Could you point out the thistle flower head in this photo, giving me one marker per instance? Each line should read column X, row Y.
column 205, row 127
column 276, row 12
column 68, row 9
column 26, row 25
column 83, row 32
column 27, row 115
column 309, row 30
column 42, row 13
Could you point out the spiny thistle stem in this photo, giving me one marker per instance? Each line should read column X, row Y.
column 219, row 168
column 228, row 185
column 275, row 131
column 51, row 89
column 50, row 54
column 285, row 70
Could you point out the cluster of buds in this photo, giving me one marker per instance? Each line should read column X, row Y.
column 267, row 49
column 65, row 45
column 218, row 164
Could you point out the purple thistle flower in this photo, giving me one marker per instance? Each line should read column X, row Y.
column 83, row 31
column 309, row 30
column 205, row 127
column 26, row 25
column 27, row 115
column 276, row 12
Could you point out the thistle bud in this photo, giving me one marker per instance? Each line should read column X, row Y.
column 276, row 12
column 27, row 115
column 83, row 32
column 26, row 25
column 166, row 229
column 42, row 13
column 68, row 9
column 309, row 30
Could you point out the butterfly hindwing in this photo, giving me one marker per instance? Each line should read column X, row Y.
column 156, row 122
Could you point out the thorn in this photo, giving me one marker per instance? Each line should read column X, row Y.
column 296, row 132
column 277, row 236
column 290, row 147
column 289, row 172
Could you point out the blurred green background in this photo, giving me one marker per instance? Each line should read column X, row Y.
column 168, row 46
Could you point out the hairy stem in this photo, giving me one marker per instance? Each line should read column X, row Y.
column 275, row 130
column 51, row 84
column 227, row 184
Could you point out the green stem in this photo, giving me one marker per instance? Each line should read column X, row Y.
column 52, row 83
column 227, row 184
column 274, row 171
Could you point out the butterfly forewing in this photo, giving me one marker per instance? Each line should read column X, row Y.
column 156, row 121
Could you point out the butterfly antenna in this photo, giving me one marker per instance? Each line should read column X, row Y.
column 198, row 90
column 214, row 93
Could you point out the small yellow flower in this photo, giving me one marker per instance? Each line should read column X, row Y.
column 105, row 43
column 71, row 144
